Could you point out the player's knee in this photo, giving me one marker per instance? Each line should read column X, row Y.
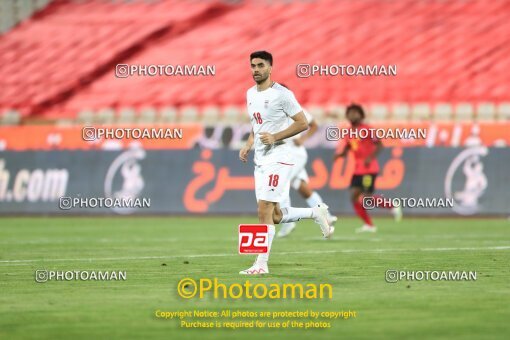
column 264, row 211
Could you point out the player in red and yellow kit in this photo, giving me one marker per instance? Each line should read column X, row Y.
column 365, row 148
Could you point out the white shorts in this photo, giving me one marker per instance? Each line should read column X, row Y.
column 302, row 175
column 272, row 181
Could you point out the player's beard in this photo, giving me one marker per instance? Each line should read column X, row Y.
column 262, row 78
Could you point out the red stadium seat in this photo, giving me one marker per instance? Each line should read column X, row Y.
column 63, row 59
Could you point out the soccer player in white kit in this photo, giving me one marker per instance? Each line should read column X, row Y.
column 275, row 115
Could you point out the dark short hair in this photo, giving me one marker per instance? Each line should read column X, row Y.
column 355, row 107
column 262, row 55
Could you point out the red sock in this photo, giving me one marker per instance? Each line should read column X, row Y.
column 362, row 213
column 382, row 202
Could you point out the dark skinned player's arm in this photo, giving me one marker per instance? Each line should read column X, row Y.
column 344, row 152
column 378, row 149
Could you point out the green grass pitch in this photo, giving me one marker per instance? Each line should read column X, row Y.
column 158, row 252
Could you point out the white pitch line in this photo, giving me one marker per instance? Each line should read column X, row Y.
column 26, row 262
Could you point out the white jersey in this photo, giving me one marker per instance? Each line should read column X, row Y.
column 270, row 111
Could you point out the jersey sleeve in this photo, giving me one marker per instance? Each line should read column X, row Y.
column 290, row 104
column 343, row 142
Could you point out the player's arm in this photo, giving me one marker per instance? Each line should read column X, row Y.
column 312, row 129
column 298, row 125
column 245, row 150
column 293, row 110
column 344, row 152
column 376, row 152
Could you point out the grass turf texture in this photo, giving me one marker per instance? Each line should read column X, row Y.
column 354, row 264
